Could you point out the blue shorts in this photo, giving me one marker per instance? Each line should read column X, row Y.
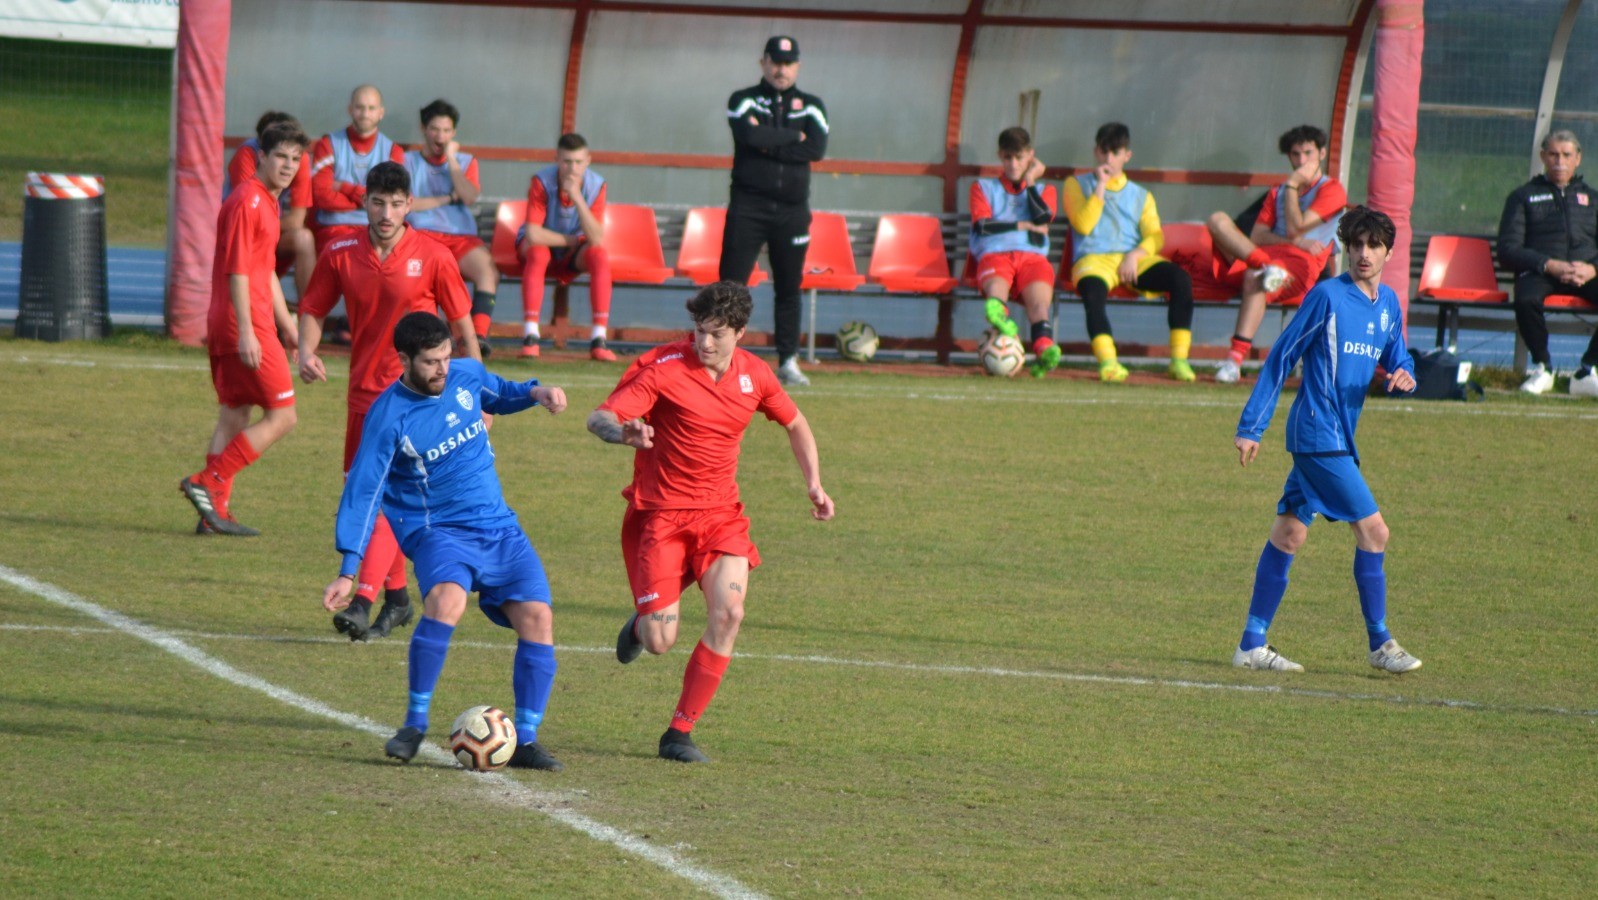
column 1330, row 486
column 500, row 565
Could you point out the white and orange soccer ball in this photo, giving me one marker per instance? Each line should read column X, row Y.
column 483, row 738
column 1002, row 356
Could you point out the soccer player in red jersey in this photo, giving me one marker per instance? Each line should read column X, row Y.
column 444, row 187
column 388, row 271
column 1010, row 218
column 1285, row 251
column 339, row 163
column 565, row 234
column 249, row 366
column 296, row 247
column 684, row 408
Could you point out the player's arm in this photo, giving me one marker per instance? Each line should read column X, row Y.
column 326, row 192
column 287, row 328
column 464, row 180
column 747, row 129
column 239, row 294
column 812, row 145
column 294, row 219
column 534, row 232
column 1513, row 253
column 634, row 432
column 803, row 443
column 320, row 296
column 1263, row 234
column 1152, row 238
column 466, row 338
column 620, row 419
column 361, row 503
column 1082, row 211
column 593, row 229
column 982, row 220
column 1289, row 348
column 1398, row 364
column 501, row 396
column 1040, row 203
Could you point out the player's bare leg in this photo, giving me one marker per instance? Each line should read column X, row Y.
column 997, row 310
column 478, row 268
column 1229, row 241
column 1037, row 297
column 725, row 585
column 655, row 631
column 209, row 490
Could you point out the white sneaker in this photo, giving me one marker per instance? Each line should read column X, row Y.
column 788, row 373
column 1538, row 380
column 1274, row 278
column 1266, row 657
column 1228, row 371
column 1585, row 387
column 1393, row 658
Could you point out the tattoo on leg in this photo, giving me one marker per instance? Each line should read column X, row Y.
column 735, row 587
column 661, row 617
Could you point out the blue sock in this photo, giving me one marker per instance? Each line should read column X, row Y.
column 429, row 645
column 1270, row 583
column 532, row 679
column 1371, row 580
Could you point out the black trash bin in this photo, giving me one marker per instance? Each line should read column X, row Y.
column 63, row 294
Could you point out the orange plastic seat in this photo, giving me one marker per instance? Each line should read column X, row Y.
column 908, row 256
column 507, row 220
column 829, row 260
column 1568, row 301
column 699, row 258
column 632, row 239
column 1460, row 269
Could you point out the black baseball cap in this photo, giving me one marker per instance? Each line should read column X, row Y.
column 782, row 49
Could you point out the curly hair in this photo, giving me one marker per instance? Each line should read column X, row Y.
column 726, row 302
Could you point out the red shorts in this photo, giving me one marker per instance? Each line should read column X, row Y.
column 1016, row 267
column 1226, row 276
column 268, row 387
column 666, row 550
column 459, row 244
column 327, row 234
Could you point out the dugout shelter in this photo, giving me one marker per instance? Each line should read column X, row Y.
column 916, row 92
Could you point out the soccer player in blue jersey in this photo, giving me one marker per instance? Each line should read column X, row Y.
column 426, row 461
column 1345, row 328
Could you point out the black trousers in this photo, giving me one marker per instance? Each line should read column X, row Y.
column 784, row 229
column 1163, row 277
column 1530, row 289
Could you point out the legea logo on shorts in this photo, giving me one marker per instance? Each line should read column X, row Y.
column 648, row 598
column 413, row 268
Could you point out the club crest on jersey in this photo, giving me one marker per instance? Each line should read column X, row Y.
column 746, row 384
column 1582, row 199
column 413, row 268
column 1384, row 321
column 798, row 104
column 464, row 398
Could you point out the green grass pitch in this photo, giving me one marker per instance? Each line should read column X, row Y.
column 1003, row 670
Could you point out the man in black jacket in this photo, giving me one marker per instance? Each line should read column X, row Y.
column 777, row 132
column 1548, row 236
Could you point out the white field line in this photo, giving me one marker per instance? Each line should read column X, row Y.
column 502, row 786
column 982, row 671
column 1549, row 408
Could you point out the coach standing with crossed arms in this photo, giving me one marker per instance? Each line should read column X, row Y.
column 777, row 132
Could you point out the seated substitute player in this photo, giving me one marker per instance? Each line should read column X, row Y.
column 1117, row 236
column 296, row 247
column 565, row 234
column 1548, row 235
column 1010, row 218
column 249, row 364
column 444, row 187
column 339, row 163
column 1343, row 331
column 685, row 411
column 1283, row 255
column 389, row 271
column 426, row 458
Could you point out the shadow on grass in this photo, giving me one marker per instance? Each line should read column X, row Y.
column 42, row 708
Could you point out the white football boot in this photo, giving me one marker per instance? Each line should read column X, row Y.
column 1274, row 278
column 1538, row 380
column 1265, row 657
column 1585, row 387
column 788, row 373
column 1228, row 371
column 1393, row 658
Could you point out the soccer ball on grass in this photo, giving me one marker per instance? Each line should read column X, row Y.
column 483, row 738
column 857, row 342
column 1002, row 355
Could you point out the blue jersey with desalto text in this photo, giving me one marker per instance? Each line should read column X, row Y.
column 426, row 461
column 1342, row 335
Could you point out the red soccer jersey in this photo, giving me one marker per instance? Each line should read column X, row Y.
column 246, row 244
column 1328, row 202
column 419, row 275
column 245, row 162
column 538, row 202
column 699, row 424
column 979, row 201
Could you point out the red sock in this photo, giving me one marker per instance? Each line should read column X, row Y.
column 1042, row 344
column 378, row 561
column 533, row 269
column 598, row 262
column 224, row 492
column 1240, row 349
column 396, row 572
column 480, row 324
column 1258, row 259
column 699, row 682
column 231, row 461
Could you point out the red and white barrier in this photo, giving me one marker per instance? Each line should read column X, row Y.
column 56, row 186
